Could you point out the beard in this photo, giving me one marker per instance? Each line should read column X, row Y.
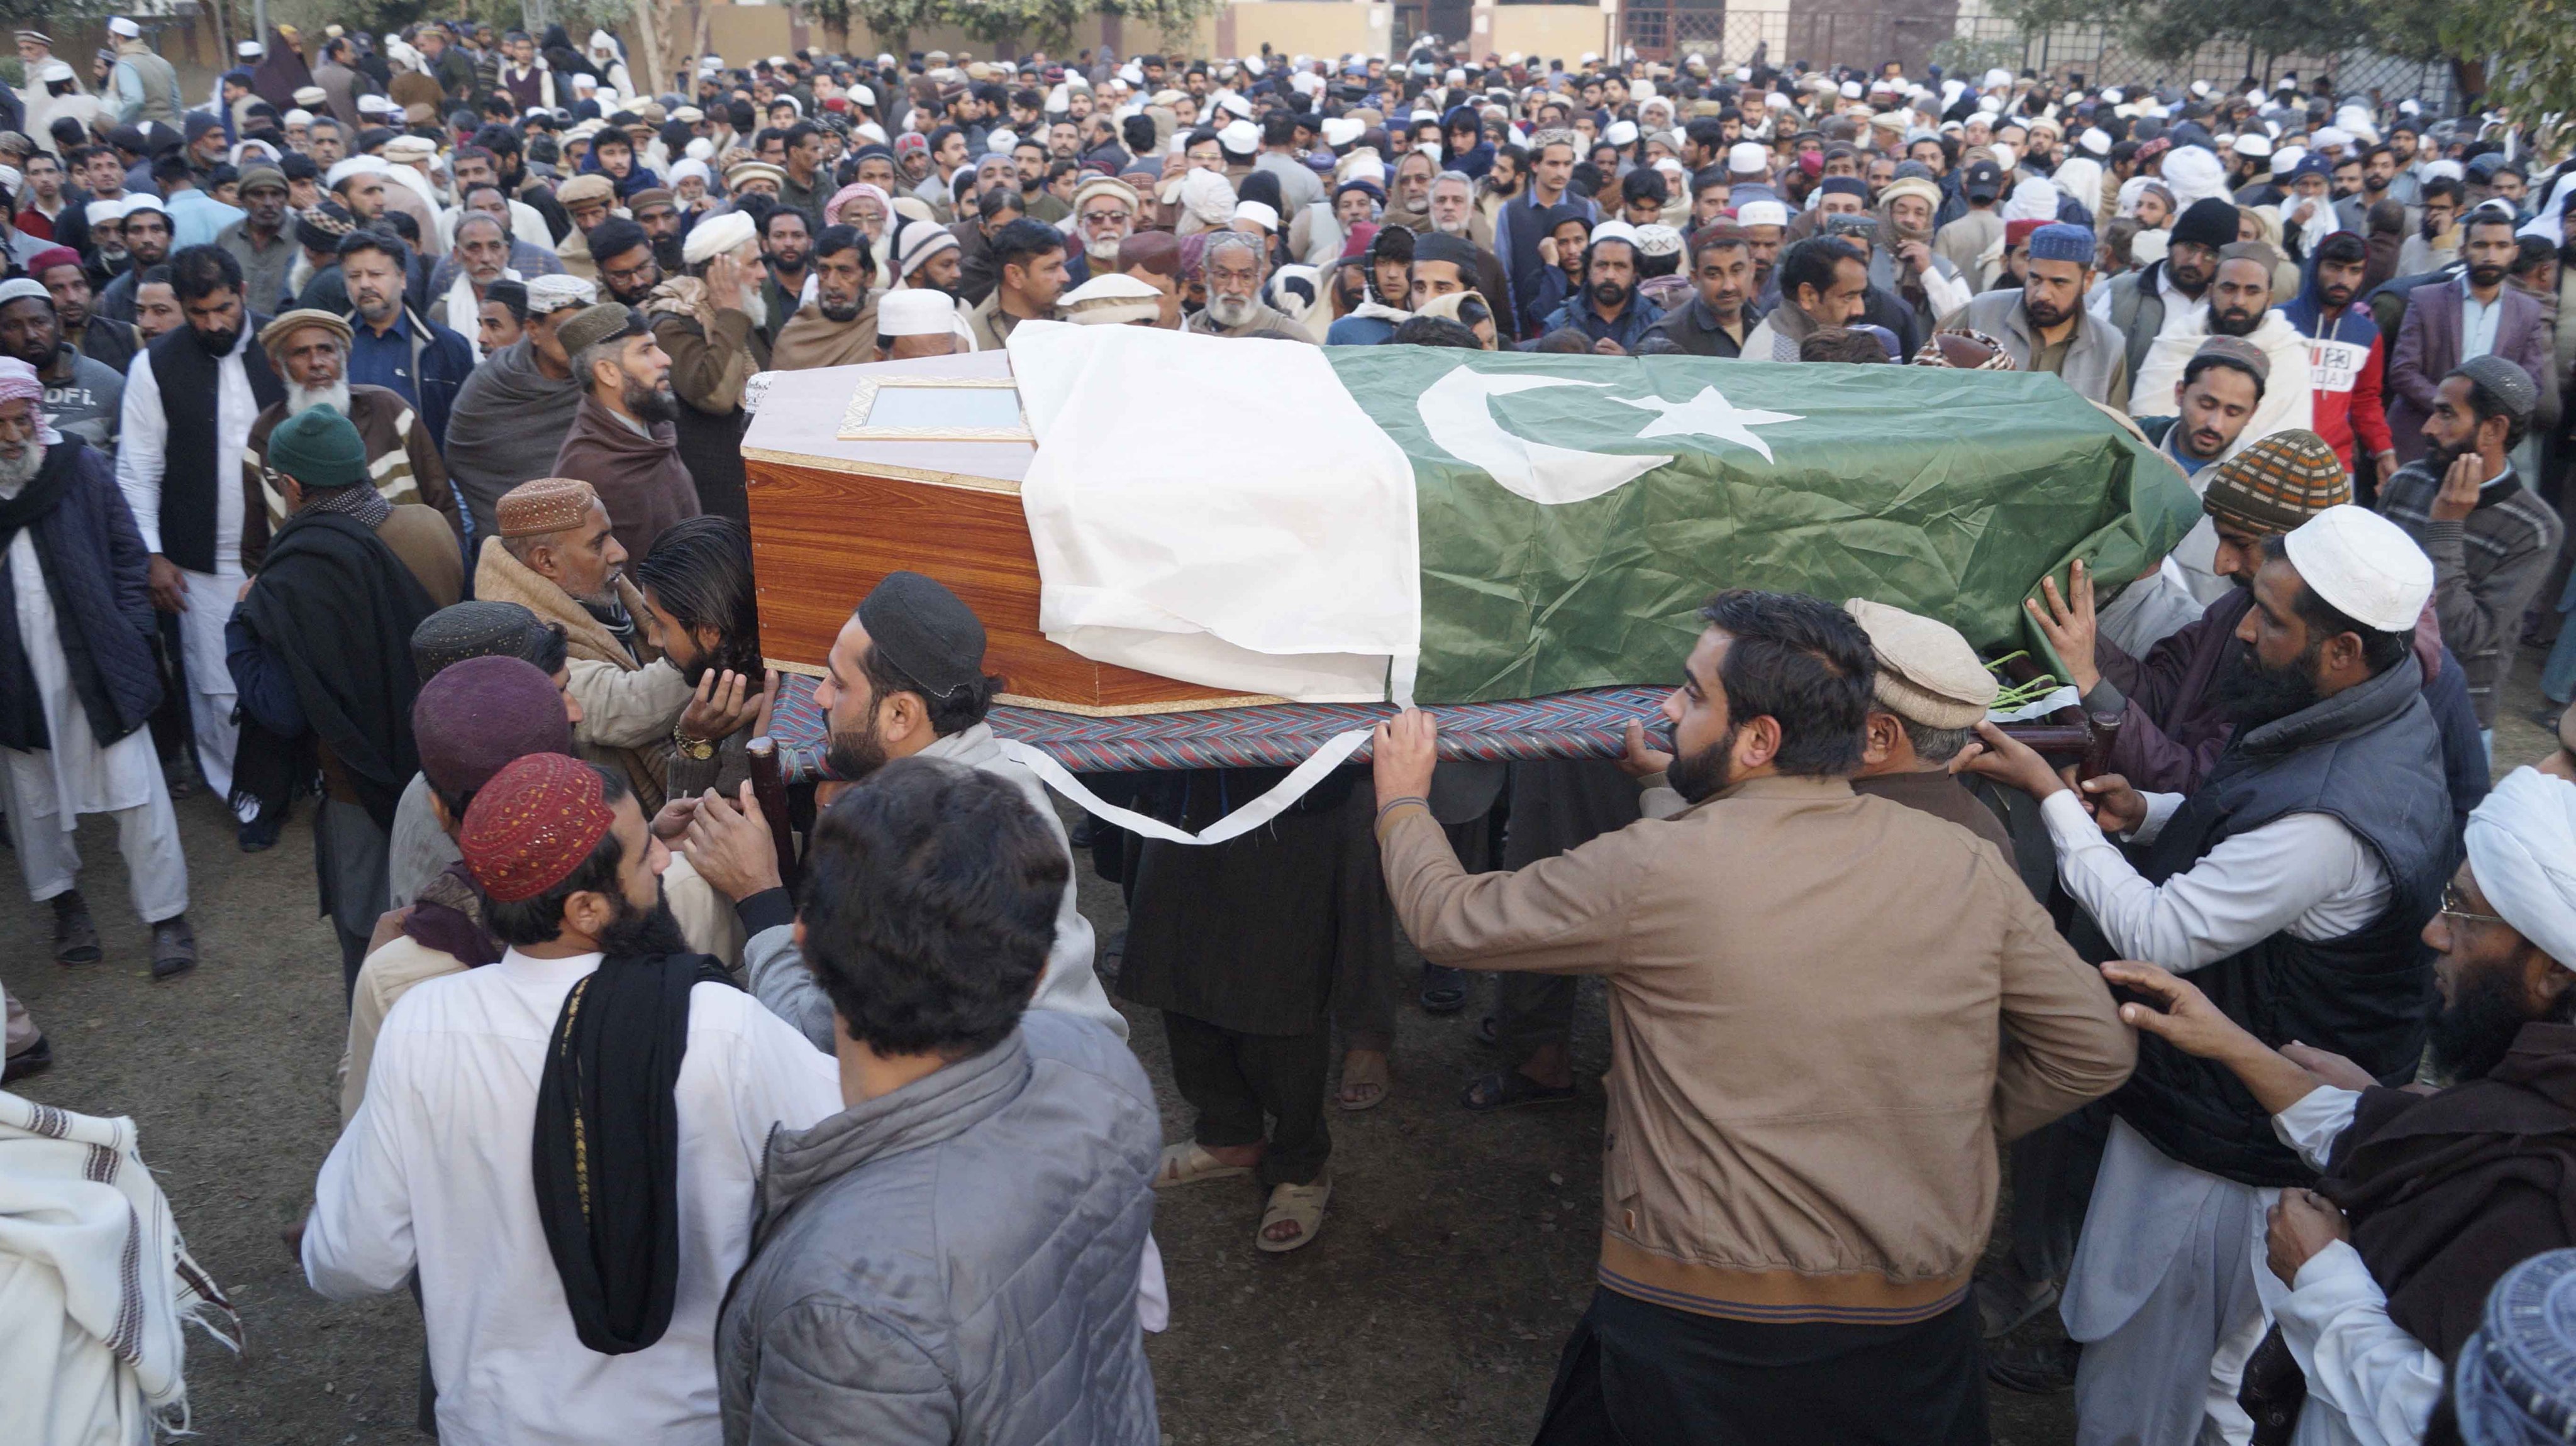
column 1705, row 774
column 1229, row 309
column 2234, row 323
column 1103, row 249
column 2336, row 298
column 2439, row 456
column 334, row 396
column 650, row 405
column 1610, row 294
column 2471, row 1037
column 217, row 343
column 842, row 314
column 2042, row 314
column 2253, row 695
column 18, row 472
column 1451, row 228
column 2485, row 276
column 667, row 254
column 638, row 933
column 853, row 756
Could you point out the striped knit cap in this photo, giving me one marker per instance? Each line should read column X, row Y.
column 2277, row 483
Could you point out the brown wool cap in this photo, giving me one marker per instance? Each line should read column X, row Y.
column 589, row 186
column 546, row 505
column 2277, row 484
column 1927, row 673
column 276, row 332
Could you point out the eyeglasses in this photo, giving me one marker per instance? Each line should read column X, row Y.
column 1103, row 218
column 2455, row 907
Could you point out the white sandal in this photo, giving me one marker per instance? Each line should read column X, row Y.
column 1302, row 1204
column 1187, row 1163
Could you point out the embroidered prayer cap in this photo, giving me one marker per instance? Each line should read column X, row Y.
column 476, row 629
column 916, row 624
column 2515, row 1380
column 320, row 228
column 274, row 335
column 2363, row 564
column 1112, row 299
column 318, row 448
column 743, row 173
column 2277, row 483
column 533, row 823
column 2257, row 252
column 544, row 506
column 2060, row 241
column 2504, row 381
column 1927, row 673
column 607, row 321
column 483, row 712
column 2522, row 851
column 550, row 294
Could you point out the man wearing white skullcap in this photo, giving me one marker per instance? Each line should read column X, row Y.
column 920, row 322
column 2291, row 886
column 2425, row 1199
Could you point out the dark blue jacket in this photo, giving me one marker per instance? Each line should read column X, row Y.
column 441, row 360
column 1631, row 327
column 97, row 578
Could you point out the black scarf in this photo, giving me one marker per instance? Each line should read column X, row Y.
column 337, row 609
column 191, row 385
column 22, row 718
column 607, row 1146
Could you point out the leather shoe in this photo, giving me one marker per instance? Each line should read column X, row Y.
column 174, row 948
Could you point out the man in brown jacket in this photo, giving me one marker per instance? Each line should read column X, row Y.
column 622, row 441
column 1826, row 1010
column 557, row 556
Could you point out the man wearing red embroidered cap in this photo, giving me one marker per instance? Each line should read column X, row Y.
column 563, row 1144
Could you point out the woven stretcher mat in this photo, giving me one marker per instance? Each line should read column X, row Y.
column 1590, row 724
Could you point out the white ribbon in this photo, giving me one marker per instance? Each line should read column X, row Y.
column 1336, row 750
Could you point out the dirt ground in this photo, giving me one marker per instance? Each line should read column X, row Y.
column 1457, row 1253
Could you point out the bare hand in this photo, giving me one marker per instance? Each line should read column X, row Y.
column 2459, row 495
column 2009, row 761
column 2069, row 623
column 1643, row 760
column 1547, row 250
column 169, row 589
column 2386, row 463
column 673, row 820
column 2115, row 805
column 1606, row 347
column 2303, row 1222
column 243, row 591
column 1916, row 256
column 723, row 704
column 728, row 843
column 1403, row 753
column 2180, row 1014
column 2329, row 1066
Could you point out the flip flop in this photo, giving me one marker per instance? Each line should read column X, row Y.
column 1187, row 1163
column 1509, row 1089
column 1364, row 1086
column 1444, row 990
column 1302, row 1205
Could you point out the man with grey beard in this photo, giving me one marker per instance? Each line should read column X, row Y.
column 622, row 440
column 310, row 350
column 72, row 739
column 1234, row 271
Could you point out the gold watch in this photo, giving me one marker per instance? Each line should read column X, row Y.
column 697, row 748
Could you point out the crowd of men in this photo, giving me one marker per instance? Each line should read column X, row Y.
column 370, row 442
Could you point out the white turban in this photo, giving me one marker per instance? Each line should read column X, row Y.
column 2522, row 848
column 2035, row 199
column 717, row 235
column 2192, row 173
column 1208, row 198
column 550, row 294
column 2081, row 178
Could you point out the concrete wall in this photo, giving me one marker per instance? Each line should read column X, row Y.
column 1555, row 31
column 1304, row 27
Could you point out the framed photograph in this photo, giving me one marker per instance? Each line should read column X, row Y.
column 936, row 409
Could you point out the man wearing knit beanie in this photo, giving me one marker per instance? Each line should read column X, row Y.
column 2136, row 304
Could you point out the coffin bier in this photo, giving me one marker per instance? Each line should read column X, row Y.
column 832, row 514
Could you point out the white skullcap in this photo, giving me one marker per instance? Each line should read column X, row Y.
column 1989, row 105
column 119, row 25
column 862, row 95
column 1774, row 100
column 693, row 168
column 299, row 117
column 1621, row 133
column 2522, row 850
column 2006, row 156
column 1743, row 73
column 2445, row 169
column 2333, row 136
column 701, row 150
column 250, row 50
column 717, row 235
column 139, row 202
column 1745, row 158
column 916, row 312
column 1998, row 76
column 373, row 105
column 1111, row 299
column 355, row 165
column 2363, row 564
column 553, row 293
column 599, row 41
column 2287, row 158
column 2113, row 94
column 2200, row 88
column 100, row 213
column 1060, row 98
column 1260, row 213
column 1000, row 142
column 867, row 131
column 1762, row 213
column 55, row 70
column 410, row 148
column 2095, row 140
column 1613, row 231
column 1341, row 130
column 1241, row 138
column 2253, row 143
column 1233, row 105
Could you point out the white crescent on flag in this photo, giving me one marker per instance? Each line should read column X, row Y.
column 1454, row 411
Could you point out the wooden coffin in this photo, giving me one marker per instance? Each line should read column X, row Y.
column 831, row 518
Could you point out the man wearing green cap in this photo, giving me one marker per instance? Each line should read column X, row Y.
column 320, row 647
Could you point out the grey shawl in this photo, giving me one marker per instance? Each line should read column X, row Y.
column 508, row 422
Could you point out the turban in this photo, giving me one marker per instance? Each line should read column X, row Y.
column 2034, row 199
column 532, row 824
column 1926, row 671
column 2195, row 175
column 18, row 382
column 2363, row 564
column 543, row 506
column 1206, row 197
column 480, row 714
column 550, row 294
column 2522, row 849
column 856, row 190
column 918, row 626
column 475, row 629
column 716, row 236
column 2277, row 484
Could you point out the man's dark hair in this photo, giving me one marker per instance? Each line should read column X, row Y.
column 610, row 136
column 2484, row 403
column 699, row 572
column 929, row 907
column 2446, row 186
column 1022, row 242
column 2530, row 253
column 1841, row 344
column 2343, row 248
column 1802, row 662
column 198, row 272
column 960, row 710
column 615, row 237
column 1435, row 331
column 173, row 166
column 390, row 247
column 1812, row 262
column 400, row 225
column 833, row 240
column 2192, row 369
column 539, row 920
column 1709, row 134
column 801, row 132
column 778, row 211
column 998, row 200
column 1279, row 129
column 1138, row 132
column 1708, row 177
column 1644, row 184
column 1567, row 340
column 1517, row 154
column 2486, row 215
column 498, row 139
column 2380, row 651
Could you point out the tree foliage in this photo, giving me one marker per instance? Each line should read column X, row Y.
column 2528, row 51
column 1027, row 24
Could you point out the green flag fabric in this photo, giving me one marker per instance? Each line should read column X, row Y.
column 1574, row 511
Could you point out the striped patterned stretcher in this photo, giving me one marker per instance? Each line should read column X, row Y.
column 1590, row 724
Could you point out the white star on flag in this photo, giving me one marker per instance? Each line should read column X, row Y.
column 1709, row 414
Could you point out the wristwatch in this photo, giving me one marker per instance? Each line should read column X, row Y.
column 697, row 748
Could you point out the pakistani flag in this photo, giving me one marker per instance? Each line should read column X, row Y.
column 1349, row 523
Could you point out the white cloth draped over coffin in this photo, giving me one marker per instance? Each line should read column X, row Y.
column 1218, row 511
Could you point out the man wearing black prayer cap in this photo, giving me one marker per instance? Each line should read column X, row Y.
column 596, row 1069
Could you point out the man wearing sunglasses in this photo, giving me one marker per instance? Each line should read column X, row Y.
column 2290, row 884
column 2425, row 1198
